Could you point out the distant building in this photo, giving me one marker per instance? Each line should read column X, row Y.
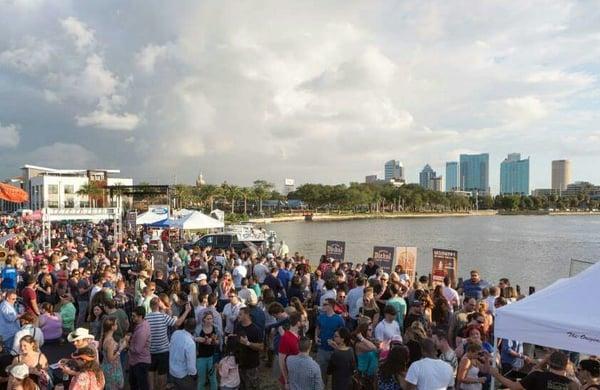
column 452, row 176
column 561, row 174
column 437, row 183
column 578, row 187
column 514, row 175
column 289, row 185
column 544, row 192
column 370, row 179
column 475, row 173
column 58, row 188
column 425, row 177
column 200, row 181
column 393, row 169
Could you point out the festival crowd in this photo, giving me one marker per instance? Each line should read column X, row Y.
column 220, row 319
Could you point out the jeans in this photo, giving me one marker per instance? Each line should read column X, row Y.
column 138, row 376
column 323, row 358
column 81, row 315
column 206, row 372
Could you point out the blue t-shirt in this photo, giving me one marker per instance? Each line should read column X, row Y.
column 9, row 278
column 327, row 327
column 473, row 290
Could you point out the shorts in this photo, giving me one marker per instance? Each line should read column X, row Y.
column 160, row 363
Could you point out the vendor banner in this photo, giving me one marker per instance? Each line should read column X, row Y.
column 335, row 249
column 445, row 263
column 385, row 257
column 406, row 257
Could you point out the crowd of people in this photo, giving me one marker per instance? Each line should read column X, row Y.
column 111, row 317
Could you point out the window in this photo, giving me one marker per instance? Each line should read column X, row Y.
column 52, row 189
column 69, row 203
column 53, row 204
column 69, row 189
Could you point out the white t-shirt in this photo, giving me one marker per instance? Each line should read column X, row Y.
column 451, row 295
column 261, row 271
column 385, row 331
column 430, row 374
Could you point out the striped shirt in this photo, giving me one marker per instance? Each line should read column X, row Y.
column 159, row 327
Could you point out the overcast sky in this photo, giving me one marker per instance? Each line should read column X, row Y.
column 317, row 91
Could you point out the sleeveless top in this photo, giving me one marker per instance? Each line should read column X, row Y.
column 472, row 373
column 206, row 350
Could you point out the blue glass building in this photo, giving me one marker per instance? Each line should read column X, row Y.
column 452, row 176
column 514, row 175
column 475, row 173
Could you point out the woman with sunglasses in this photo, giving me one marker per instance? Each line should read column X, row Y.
column 342, row 363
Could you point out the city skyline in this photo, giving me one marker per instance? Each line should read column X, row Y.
column 322, row 93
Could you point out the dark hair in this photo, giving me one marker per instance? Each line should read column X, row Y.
column 212, row 298
column 591, row 366
column 90, row 364
column 395, row 363
column 295, row 318
column 440, row 314
column 140, row 311
column 275, row 308
column 558, row 360
column 304, row 344
column 330, row 284
column 190, row 324
column 389, row 309
column 345, row 335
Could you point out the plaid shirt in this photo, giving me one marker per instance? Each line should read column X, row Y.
column 303, row 373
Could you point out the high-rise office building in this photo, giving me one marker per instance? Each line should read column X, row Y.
column 437, row 183
column 475, row 173
column 425, row 177
column 561, row 174
column 452, row 176
column 514, row 175
column 393, row 170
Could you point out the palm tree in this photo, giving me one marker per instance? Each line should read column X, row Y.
column 91, row 190
column 231, row 192
column 209, row 192
column 262, row 189
column 247, row 194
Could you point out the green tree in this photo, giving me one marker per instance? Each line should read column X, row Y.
column 262, row 189
column 91, row 190
column 231, row 192
column 209, row 193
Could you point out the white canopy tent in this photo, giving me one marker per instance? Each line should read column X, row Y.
column 195, row 220
column 564, row 315
column 150, row 217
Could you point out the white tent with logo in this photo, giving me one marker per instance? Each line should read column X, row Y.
column 150, row 218
column 195, row 220
column 564, row 315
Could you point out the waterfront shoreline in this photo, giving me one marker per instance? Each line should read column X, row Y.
column 325, row 217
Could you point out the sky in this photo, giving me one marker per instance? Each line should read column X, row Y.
column 310, row 90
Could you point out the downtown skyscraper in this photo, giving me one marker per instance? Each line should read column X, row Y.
column 475, row 173
column 393, row 169
column 452, row 176
column 514, row 175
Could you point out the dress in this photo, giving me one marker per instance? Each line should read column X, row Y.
column 113, row 372
column 86, row 380
column 472, row 373
column 342, row 367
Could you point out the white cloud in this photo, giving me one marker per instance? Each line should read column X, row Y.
column 82, row 36
column 31, row 56
column 9, row 136
column 109, row 121
column 147, row 58
column 525, row 108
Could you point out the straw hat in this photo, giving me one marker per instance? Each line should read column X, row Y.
column 79, row 334
column 19, row 371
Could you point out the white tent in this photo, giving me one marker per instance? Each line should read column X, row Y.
column 564, row 315
column 196, row 220
column 150, row 217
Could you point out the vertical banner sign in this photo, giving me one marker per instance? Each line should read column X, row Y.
column 445, row 263
column 335, row 249
column 406, row 256
column 131, row 220
column 385, row 257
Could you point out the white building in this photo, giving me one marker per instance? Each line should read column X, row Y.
column 58, row 188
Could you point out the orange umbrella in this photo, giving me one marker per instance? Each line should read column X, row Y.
column 13, row 194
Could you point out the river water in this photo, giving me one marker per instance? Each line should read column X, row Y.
column 529, row 250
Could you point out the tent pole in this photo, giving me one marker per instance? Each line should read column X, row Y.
column 493, row 381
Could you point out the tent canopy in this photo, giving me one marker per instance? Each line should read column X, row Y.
column 195, row 220
column 150, row 218
column 564, row 315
